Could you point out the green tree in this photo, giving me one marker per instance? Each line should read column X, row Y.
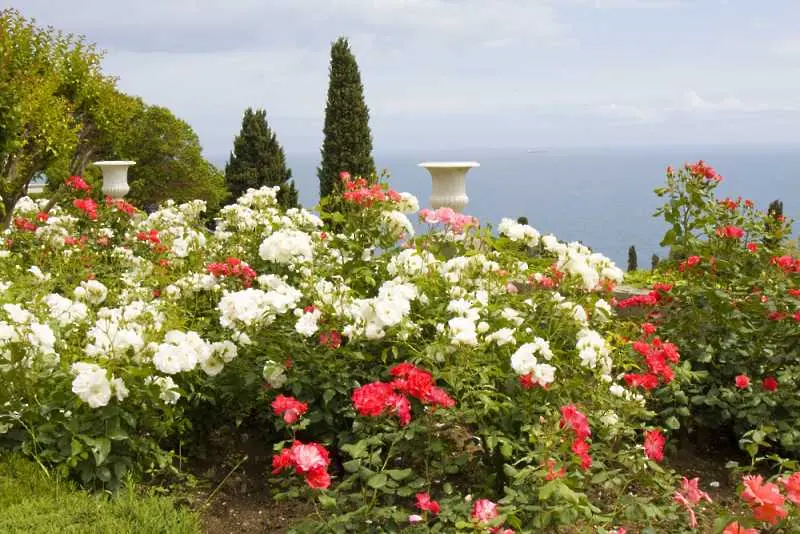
column 52, row 104
column 633, row 262
column 347, row 145
column 169, row 160
column 258, row 160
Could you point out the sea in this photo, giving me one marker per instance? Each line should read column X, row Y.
column 602, row 197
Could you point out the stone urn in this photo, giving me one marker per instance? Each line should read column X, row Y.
column 115, row 177
column 448, row 179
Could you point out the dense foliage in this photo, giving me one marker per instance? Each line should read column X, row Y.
column 734, row 309
column 59, row 112
column 347, row 143
column 258, row 160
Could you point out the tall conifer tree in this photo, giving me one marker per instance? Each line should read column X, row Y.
column 348, row 141
column 258, row 160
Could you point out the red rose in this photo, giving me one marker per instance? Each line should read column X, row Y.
column 770, row 383
column 742, row 382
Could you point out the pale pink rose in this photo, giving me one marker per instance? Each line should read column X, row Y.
column 307, row 457
column 484, row 511
column 414, row 519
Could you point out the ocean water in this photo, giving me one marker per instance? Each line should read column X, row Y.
column 601, row 197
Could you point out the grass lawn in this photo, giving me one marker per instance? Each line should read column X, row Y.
column 32, row 502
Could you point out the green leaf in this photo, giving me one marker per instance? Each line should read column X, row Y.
column 377, row 481
column 673, row 423
column 101, row 447
column 399, row 474
column 326, row 501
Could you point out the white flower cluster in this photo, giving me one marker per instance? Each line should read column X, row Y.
column 411, row 262
column 306, row 324
column 254, row 307
column 371, row 317
column 577, row 260
column 287, row 247
column 518, row 232
column 66, row 312
column 37, row 339
column 168, row 389
column 183, row 351
column 397, row 224
column 91, row 291
column 92, row 386
column 593, row 350
column 524, row 362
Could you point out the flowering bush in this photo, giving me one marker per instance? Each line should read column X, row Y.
column 733, row 309
column 452, row 381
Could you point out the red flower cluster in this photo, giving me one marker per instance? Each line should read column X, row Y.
column 310, row 460
column 290, row 408
column 76, row 241
column 786, row 263
column 77, row 183
column 730, row 232
column 331, row 339
column 656, row 295
column 373, row 399
column 689, row 262
column 576, row 421
column 654, row 442
column 658, row 356
column 752, row 247
column 88, row 206
column 359, row 192
column 233, row 267
column 703, row 170
column 426, row 504
column 149, row 236
column 24, row 225
column 765, row 500
column 121, row 205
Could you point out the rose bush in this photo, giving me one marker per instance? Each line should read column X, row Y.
column 452, row 381
column 733, row 308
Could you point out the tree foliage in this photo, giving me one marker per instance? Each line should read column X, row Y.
column 169, row 160
column 52, row 104
column 347, row 145
column 58, row 112
column 258, row 160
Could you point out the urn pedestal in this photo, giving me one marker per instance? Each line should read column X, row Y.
column 115, row 177
column 448, row 180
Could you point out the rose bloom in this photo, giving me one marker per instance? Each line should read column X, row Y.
column 736, row 528
column 289, row 407
column 792, row 485
column 742, row 382
column 308, row 457
column 654, row 442
column 484, row 511
column 765, row 499
column 770, row 383
column 425, row 503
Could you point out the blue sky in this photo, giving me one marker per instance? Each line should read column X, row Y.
column 462, row 73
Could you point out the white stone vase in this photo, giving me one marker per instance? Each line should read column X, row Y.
column 115, row 177
column 448, row 179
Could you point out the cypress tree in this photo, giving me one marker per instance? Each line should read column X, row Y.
column 633, row 262
column 522, row 220
column 654, row 259
column 258, row 160
column 774, row 218
column 347, row 145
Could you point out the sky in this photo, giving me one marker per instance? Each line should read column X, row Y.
column 460, row 74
